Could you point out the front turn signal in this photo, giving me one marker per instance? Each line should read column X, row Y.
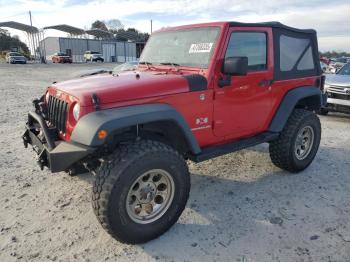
column 102, row 134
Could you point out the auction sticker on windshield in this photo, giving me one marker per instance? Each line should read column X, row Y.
column 200, row 48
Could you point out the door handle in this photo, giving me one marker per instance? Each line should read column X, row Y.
column 265, row 83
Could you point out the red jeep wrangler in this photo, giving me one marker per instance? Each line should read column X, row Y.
column 200, row 91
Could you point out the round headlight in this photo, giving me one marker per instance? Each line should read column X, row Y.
column 76, row 111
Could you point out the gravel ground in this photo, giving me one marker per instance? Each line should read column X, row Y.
column 241, row 207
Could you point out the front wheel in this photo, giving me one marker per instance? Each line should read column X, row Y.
column 140, row 191
column 298, row 143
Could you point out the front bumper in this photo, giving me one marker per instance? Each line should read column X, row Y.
column 55, row 154
column 18, row 61
column 336, row 103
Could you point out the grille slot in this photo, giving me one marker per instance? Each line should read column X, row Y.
column 337, row 89
column 57, row 113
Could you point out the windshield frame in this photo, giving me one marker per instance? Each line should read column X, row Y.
column 216, row 42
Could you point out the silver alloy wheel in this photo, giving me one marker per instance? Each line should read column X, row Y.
column 304, row 142
column 150, row 196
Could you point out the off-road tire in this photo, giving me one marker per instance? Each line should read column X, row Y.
column 114, row 180
column 282, row 151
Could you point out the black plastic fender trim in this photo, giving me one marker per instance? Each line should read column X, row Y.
column 111, row 120
column 289, row 102
column 196, row 82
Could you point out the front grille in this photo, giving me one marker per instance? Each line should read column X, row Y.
column 340, row 96
column 57, row 113
column 337, row 89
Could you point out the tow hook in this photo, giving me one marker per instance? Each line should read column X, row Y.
column 25, row 140
column 41, row 163
column 41, row 160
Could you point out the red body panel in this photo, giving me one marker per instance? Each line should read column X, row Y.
column 215, row 116
column 61, row 59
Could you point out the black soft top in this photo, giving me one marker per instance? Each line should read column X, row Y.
column 273, row 24
column 295, row 50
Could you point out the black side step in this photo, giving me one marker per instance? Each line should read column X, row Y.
column 220, row 150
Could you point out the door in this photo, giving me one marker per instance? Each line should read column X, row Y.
column 108, row 52
column 242, row 107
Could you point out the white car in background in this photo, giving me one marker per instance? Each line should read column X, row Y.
column 93, row 56
column 337, row 91
column 14, row 58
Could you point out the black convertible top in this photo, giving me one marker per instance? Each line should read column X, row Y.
column 274, row 25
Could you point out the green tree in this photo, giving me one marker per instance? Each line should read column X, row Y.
column 99, row 25
column 8, row 42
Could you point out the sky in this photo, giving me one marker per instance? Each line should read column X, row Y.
column 331, row 19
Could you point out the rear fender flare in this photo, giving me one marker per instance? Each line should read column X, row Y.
column 311, row 96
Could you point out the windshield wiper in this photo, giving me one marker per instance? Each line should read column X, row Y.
column 145, row 63
column 169, row 63
column 97, row 72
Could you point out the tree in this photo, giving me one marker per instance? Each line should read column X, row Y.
column 4, row 32
column 114, row 24
column 334, row 54
column 8, row 42
column 99, row 25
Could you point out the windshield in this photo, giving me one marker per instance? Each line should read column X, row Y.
column 345, row 70
column 341, row 60
column 187, row 47
column 15, row 54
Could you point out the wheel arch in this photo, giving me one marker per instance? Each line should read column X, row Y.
column 306, row 97
column 147, row 120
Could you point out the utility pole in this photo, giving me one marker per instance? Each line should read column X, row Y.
column 151, row 26
column 32, row 32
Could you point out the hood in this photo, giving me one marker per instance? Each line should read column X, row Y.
column 126, row 86
column 338, row 80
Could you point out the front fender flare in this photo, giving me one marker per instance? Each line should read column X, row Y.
column 85, row 132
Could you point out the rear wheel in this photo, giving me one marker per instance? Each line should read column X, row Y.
column 140, row 191
column 298, row 143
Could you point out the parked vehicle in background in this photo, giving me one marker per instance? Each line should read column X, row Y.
column 15, row 58
column 91, row 56
column 61, row 58
column 324, row 67
column 339, row 63
column 325, row 60
column 199, row 92
column 337, row 90
column 127, row 66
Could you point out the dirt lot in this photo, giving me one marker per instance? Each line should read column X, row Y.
column 241, row 207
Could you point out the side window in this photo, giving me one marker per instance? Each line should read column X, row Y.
column 295, row 54
column 252, row 45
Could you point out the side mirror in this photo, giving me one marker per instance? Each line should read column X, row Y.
column 235, row 66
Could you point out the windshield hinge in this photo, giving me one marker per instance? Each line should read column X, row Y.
column 95, row 101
